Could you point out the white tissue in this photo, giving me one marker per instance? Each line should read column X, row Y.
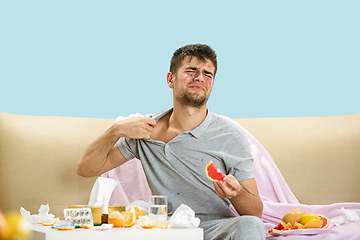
column 103, row 187
column 105, row 227
column 184, row 217
column 350, row 216
column 42, row 217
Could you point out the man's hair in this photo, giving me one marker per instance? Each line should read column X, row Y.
column 202, row 52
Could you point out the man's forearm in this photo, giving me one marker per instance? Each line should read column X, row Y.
column 246, row 203
column 95, row 155
column 103, row 155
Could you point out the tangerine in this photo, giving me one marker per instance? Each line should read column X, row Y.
column 148, row 223
column 162, row 225
column 213, row 173
column 137, row 210
column 130, row 219
column 116, row 218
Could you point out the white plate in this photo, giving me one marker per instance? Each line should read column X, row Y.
column 308, row 231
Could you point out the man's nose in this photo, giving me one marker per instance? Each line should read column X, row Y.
column 199, row 76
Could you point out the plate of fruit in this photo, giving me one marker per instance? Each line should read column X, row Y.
column 299, row 222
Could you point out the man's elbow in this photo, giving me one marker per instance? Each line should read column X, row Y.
column 260, row 210
column 80, row 170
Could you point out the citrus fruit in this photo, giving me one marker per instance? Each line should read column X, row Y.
column 116, row 218
column 47, row 223
column 2, row 225
column 280, row 227
column 162, row 224
column 86, row 226
column 307, row 217
column 17, row 227
column 130, row 219
column 65, row 227
column 148, row 223
column 314, row 223
column 325, row 221
column 293, row 216
column 298, row 225
column 137, row 210
column 213, row 173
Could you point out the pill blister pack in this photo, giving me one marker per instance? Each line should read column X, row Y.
column 78, row 216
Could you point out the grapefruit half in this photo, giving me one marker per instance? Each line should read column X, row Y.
column 213, row 173
column 325, row 221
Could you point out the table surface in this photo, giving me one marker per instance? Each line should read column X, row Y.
column 136, row 232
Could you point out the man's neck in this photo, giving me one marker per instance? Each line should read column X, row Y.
column 185, row 118
column 177, row 121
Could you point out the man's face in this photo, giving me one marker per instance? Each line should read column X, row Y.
column 193, row 82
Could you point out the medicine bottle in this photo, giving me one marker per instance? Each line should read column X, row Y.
column 104, row 212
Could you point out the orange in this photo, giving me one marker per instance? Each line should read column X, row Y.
column 298, row 225
column 65, row 227
column 325, row 220
column 47, row 224
column 116, row 218
column 130, row 219
column 148, row 223
column 86, row 226
column 138, row 211
column 162, row 224
column 293, row 216
column 213, row 173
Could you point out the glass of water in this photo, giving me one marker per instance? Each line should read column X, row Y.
column 158, row 208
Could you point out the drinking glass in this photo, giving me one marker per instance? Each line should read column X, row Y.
column 158, row 208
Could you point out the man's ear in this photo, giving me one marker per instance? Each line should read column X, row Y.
column 170, row 77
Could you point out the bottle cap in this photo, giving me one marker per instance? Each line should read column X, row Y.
column 105, row 209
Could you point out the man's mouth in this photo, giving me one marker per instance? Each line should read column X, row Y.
column 197, row 87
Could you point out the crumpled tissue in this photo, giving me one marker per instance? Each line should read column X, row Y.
column 103, row 187
column 349, row 216
column 43, row 217
column 184, row 217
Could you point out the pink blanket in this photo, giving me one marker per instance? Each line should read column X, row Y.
column 278, row 199
column 275, row 193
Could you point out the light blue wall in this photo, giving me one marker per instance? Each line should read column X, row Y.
column 109, row 58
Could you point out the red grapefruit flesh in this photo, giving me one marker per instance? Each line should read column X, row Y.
column 213, row 173
column 325, row 221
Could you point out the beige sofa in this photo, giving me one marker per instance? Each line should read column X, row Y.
column 319, row 158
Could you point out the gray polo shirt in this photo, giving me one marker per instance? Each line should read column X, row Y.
column 177, row 168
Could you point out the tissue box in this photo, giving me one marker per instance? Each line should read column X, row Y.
column 96, row 211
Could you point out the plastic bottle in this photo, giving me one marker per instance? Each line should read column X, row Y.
column 104, row 212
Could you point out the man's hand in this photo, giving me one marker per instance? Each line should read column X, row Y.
column 228, row 188
column 103, row 154
column 136, row 127
column 244, row 195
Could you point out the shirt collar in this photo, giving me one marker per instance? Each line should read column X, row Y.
column 200, row 130
column 196, row 132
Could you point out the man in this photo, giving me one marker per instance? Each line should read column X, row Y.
column 175, row 145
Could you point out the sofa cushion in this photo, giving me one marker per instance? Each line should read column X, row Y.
column 38, row 157
column 319, row 157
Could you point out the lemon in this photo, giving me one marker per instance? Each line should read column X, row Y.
column 2, row 225
column 17, row 227
column 307, row 217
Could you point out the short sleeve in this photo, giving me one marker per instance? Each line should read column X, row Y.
column 126, row 147
column 238, row 158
